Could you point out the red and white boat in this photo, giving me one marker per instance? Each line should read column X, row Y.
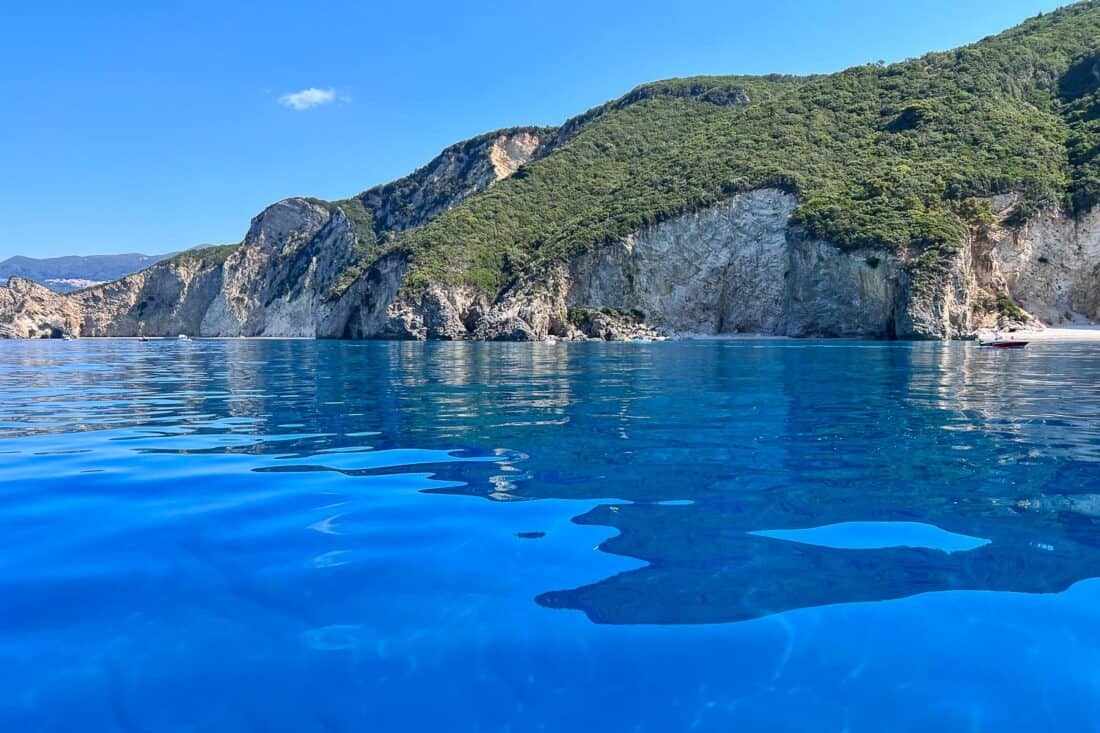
column 998, row 342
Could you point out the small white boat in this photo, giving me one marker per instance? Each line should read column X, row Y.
column 184, row 337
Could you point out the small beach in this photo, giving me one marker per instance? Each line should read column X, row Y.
column 1089, row 332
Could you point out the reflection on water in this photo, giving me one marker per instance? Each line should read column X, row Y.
column 877, row 536
column 723, row 481
column 708, row 445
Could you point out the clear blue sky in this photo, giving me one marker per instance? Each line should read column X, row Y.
column 154, row 126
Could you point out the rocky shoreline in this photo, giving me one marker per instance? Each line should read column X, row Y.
column 738, row 266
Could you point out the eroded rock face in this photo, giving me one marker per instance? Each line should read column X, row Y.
column 739, row 268
column 30, row 310
column 840, row 293
column 167, row 299
column 286, row 277
column 369, row 303
column 719, row 270
column 609, row 325
column 1050, row 265
column 457, row 173
column 736, row 267
column 435, row 312
column 277, row 282
column 531, row 311
column 509, row 152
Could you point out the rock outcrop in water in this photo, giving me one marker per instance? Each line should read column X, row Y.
column 922, row 200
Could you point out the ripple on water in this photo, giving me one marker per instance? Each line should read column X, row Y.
column 792, row 528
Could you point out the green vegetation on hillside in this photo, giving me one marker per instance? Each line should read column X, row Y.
column 366, row 242
column 1079, row 91
column 213, row 255
column 891, row 157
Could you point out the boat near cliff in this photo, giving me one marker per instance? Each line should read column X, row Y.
column 1003, row 344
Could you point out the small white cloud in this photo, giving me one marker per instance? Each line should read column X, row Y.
column 308, row 98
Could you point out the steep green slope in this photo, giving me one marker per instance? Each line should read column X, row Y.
column 887, row 156
column 1079, row 91
column 462, row 170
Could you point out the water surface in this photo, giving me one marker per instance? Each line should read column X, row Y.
column 762, row 535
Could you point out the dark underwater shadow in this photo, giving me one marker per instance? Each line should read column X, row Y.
column 731, row 443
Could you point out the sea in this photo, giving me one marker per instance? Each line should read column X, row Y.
column 740, row 535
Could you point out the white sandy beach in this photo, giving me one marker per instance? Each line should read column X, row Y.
column 1089, row 332
column 1082, row 332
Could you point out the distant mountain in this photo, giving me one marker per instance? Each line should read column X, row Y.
column 65, row 274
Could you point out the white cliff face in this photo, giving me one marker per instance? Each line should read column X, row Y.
column 435, row 312
column 1050, row 265
column 277, row 281
column 30, row 310
column 367, row 309
column 287, row 276
column 738, row 268
column 531, row 311
column 718, row 270
column 936, row 298
column 735, row 267
column 166, row 299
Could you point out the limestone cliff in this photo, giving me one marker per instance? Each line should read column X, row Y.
column 455, row 174
column 288, row 276
column 1050, row 266
column 30, row 310
column 741, row 267
column 736, row 267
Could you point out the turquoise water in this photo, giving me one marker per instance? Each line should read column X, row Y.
column 707, row 536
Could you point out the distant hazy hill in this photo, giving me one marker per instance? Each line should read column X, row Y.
column 64, row 274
